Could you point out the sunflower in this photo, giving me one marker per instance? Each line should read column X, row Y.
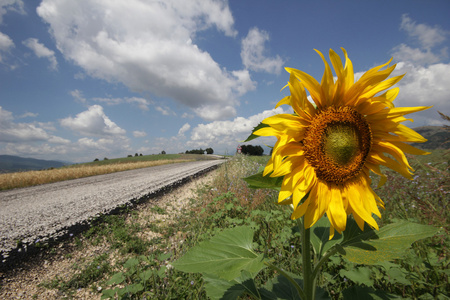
column 325, row 151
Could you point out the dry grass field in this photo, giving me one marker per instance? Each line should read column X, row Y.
column 30, row 178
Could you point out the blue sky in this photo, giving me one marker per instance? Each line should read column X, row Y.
column 90, row 79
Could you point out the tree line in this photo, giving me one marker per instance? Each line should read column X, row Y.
column 252, row 150
column 200, row 151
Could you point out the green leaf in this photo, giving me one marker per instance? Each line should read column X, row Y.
column 359, row 275
column 365, row 293
column 225, row 255
column 135, row 288
column 116, row 279
column 280, row 288
column 253, row 136
column 146, row 275
column 217, row 288
column 258, row 181
column 320, row 234
column 130, row 263
column 389, row 243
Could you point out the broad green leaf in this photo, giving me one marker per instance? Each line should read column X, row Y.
column 217, row 288
column 224, row 255
column 132, row 262
column 397, row 275
column 359, row 275
column 134, row 288
column 390, row 242
column 365, row 293
column 320, row 234
column 146, row 275
column 280, row 288
column 258, row 181
column 253, row 136
column 116, row 279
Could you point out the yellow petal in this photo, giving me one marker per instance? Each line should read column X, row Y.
column 336, row 212
column 310, row 84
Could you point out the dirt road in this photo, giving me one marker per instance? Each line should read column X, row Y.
column 32, row 215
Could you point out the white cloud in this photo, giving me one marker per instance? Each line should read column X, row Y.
column 93, row 122
column 424, row 86
column 41, row 51
column 78, row 96
column 139, row 134
column 224, row 134
column 403, row 52
column 28, row 115
column 6, row 42
column 253, row 53
column 12, row 132
column 149, row 46
column 427, row 36
column 11, row 5
column 183, row 129
column 426, row 79
column 140, row 102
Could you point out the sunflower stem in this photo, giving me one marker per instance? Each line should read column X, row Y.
column 309, row 281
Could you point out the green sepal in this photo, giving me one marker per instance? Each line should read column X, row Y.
column 253, row 136
column 258, row 181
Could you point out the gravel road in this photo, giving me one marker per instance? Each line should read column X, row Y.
column 47, row 211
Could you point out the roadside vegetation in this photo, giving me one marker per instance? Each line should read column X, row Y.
column 137, row 247
column 98, row 167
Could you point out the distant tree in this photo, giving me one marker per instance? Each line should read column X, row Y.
column 129, row 155
column 252, row 150
column 96, row 159
column 163, row 152
column 140, row 154
column 105, row 158
column 209, row 151
column 136, row 154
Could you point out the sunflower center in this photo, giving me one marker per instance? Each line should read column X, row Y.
column 337, row 144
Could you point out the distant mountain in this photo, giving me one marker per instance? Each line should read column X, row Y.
column 11, row 163
column 437, row 136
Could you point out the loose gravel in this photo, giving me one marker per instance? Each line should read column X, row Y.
column 34, row 215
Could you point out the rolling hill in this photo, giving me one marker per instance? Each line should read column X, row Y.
column 11, row 163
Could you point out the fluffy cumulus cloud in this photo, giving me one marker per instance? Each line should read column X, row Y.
column 227, row 134
column 253, row 53
column 150, row 47
column 6, row 43
column 427, row 37
column 427, row 71
column 41, row 51
column 93, row 122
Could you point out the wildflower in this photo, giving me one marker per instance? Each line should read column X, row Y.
column 325, row 152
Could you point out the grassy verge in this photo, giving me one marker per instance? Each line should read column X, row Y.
column 137, row 247
column 30, row 178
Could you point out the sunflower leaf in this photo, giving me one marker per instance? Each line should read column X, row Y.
column 224, row 255
column 320, row 234
column 258, row 181
column 253, row 136
column 389, row 243
column 217, row 288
